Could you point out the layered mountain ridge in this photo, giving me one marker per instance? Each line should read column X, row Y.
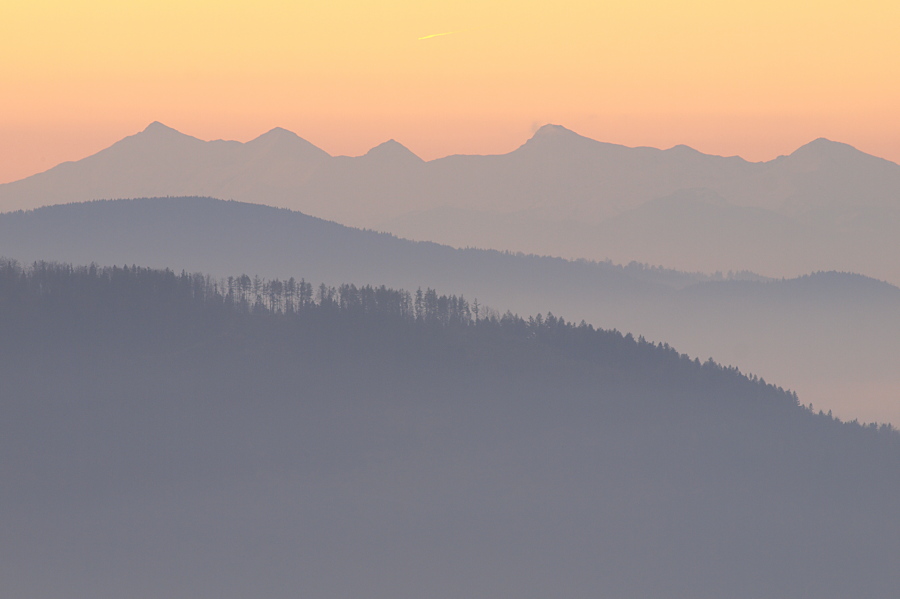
column 558, row 194
column 831, row 337
column 164, row 433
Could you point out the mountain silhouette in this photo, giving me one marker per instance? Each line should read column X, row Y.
column 279, row 141
column 392, row 150
column 556, row 195
column 556, row 138
column 836, row 345
column 168, row 433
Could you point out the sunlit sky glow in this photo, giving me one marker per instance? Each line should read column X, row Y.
column 755, row 78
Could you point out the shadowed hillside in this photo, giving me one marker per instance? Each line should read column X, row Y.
column 836, row 343
column 279, row 439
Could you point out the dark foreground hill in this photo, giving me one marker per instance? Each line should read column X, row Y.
column 834, row 338
column 161, row 436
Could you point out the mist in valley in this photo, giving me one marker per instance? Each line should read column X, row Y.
column 273, row 438
column 832, row 337
column 578, row 370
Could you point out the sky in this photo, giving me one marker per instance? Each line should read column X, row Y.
column 751, row 78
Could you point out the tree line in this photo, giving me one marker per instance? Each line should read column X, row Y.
column 192, row 293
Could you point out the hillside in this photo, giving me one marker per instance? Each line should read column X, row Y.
column 835, row 344
column 826, row 206
column 162, row 434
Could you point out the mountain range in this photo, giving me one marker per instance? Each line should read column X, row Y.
column 164, row 436
column 826, row 206
column 205, row 397
column 832, row 337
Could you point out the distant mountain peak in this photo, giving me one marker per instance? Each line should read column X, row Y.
column 156, row 133
column 823, row 148
column 153, row 138
column 278, row 132
column 823, row 143
column 280, row 139
column 681, row 148
column 557, row 136
column 392, row 149
column 554, row 132
column 276, row 135
column 157, row 128
column 552, row 129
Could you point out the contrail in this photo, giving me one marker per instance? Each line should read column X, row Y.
column 425, row 37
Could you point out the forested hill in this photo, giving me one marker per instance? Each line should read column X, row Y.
column 834, row 339
column 223, row 237
column 188, row 437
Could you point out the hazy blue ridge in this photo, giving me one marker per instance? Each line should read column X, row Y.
column 831, row 337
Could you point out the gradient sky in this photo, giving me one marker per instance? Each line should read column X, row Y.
column 756, row 78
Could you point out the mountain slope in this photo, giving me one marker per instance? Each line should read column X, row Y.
column 160, row 159
column 352, row 448
column 205, row 234
column 837, row 348
column 843, row 203
column 692, row 229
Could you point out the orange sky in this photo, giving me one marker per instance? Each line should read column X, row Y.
column 753, row 78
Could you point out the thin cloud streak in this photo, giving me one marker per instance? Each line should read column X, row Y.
column 426, row 37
